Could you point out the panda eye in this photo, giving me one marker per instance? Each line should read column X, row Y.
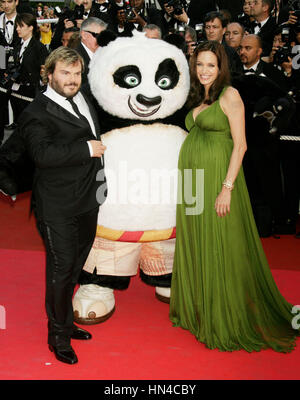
column 167, row 74
column 127, row 77
column 132, row 80
column 164, row 82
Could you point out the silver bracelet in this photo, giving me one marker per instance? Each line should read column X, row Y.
column 228, row 184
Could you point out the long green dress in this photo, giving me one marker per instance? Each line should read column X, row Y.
column 222, row 289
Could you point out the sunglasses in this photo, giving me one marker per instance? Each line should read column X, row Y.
column 93, row 34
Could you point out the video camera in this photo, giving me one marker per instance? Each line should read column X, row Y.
column 12, row 69
column 178, row 5
column 283, row 53
column 71, row 15
column 128, row 10
column 199, row 28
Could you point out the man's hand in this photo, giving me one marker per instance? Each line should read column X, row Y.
column 138, row 19
column 79, row 22
column 292, row 18
column 182, row 17
column 287, row 67
column 68, row 23
column 274, row 49
column 98, row 148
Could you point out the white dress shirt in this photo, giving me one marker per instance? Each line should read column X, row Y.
column 254, row 67
column 8, row 29
column 89, row 52
column 81, row 104
column 24, row 44
column 262, row 23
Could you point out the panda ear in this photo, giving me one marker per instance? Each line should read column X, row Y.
column 106, row 37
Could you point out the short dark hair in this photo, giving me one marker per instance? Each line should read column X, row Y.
column 72, row 29
column 269, row 3
column 197, row 91
column 216, row 14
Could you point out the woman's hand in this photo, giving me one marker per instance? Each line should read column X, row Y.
column 222, row 204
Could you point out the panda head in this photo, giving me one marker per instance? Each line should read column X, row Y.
column 139, row 78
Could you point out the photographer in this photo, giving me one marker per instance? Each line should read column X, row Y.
column 282, row 55
column 174, row 15
column 134, row 16
column 68, row 18
column 29, row 57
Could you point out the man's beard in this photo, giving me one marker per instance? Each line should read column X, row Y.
column 60, row 89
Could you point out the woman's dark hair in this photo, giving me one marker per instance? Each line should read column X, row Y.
column 29, row 20
column 197, row 91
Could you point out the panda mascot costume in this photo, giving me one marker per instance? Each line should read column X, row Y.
column 141, row 86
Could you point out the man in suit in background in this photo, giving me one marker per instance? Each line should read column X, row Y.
column 9, row 40
column 261, row 162
column 264, row 25
column 89, row 30
column 215, row 24
column 61, row 133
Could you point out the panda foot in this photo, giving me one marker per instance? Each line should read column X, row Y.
column 163, row 294
column 93, row 304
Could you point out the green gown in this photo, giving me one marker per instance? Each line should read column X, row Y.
column 222, row 289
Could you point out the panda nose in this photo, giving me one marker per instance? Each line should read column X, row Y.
column 148, row 101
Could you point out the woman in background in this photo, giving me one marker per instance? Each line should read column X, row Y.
column 29, row 58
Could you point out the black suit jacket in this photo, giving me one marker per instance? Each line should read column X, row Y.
column 273, row 74
column 34, row 56
column 198, row 9
column 86, row 58
column 65, row 175
column 267, row 33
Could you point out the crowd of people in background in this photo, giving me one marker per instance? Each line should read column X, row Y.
column 260, row 38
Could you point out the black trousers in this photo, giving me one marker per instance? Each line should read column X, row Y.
column 4, row 98
column 263, row 177
column 68, row 242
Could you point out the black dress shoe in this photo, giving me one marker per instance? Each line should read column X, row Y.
column 7, row 184
column 80, row 334
column 65, row 354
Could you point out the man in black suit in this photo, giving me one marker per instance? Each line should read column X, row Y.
column 61, row 133
column 9, row 40
column 215, row 25
column 250, row 54
column 89, row 30
column 261, row 162
column 264, row 25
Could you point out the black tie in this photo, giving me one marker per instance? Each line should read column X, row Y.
column 9, row 22
column 257, row 24
column 76, row 110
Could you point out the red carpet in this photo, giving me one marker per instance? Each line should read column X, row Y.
column 138, row 342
